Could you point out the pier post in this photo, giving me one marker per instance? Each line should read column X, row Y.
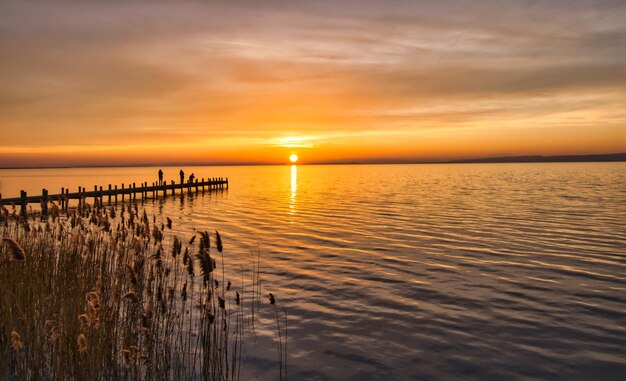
column 227, row 183
column 173, row 188
column 115, row 194
column 109, row 194
column 95, row 196
column 122, row 192
column 23, row 203
column 134, row 194
column 62, row 200
column 44, row 202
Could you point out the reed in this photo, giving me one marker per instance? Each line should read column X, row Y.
column 91, row 294
column 16, row 253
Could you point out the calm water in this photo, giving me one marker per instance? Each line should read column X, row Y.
column 408, row 272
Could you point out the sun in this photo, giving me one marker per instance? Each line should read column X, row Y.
column 293, row 158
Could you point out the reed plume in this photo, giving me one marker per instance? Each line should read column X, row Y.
column 83, row 321
column 157, row 234
column 127, row 357
column 205, row 241
column 16, row 341
column 16, row 253
column 218, row 241
column 206, row 264
column 177, row 247
column 81, row 342
column 131, row 296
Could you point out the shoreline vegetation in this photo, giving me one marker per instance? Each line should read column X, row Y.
column 110, row 293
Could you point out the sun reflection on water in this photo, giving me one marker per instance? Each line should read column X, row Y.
column 294, row 187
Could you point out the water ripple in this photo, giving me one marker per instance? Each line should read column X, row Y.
column 411, row 272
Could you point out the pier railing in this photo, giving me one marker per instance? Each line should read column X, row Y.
column 114, row 193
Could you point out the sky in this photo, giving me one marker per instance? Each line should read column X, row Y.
column 123, row 82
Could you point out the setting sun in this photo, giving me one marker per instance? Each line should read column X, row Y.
column 293, row 158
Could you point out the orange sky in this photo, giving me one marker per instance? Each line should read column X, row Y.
column 216, row 82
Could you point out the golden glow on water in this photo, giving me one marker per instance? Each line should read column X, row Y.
column 294, row 188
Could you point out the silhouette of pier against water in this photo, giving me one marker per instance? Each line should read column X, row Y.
column 114, row 193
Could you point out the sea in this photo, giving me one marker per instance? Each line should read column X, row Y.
column 412, row 272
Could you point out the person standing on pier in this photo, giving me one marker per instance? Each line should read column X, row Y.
column 182, row 176
column 160, row 177
column 191, row 178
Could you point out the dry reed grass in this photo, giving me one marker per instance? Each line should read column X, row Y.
column 91, row 295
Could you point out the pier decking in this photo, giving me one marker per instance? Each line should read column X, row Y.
column 114, row 193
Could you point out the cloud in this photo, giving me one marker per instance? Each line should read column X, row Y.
column 159, row 73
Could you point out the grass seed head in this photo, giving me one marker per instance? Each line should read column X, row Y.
column 16, row 253
column 16, row 341
column 81, row 342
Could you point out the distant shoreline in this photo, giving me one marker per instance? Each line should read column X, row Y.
column 612, row 157
column 548, row 159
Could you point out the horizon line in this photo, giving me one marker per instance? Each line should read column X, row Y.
column 609, row 157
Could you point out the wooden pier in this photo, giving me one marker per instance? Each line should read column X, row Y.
column 114, row 193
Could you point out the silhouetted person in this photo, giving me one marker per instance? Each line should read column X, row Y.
column 160, row 176
column 191, row 178
column 182, row 176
